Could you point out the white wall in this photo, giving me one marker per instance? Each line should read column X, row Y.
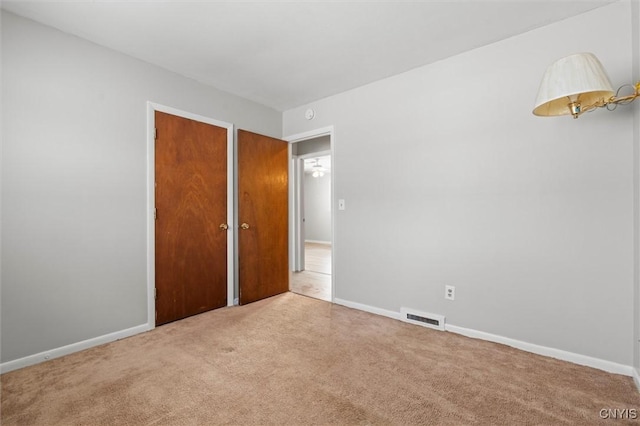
column 635, row 7
column 530, row 218
column 317, row 208
column 74, row 182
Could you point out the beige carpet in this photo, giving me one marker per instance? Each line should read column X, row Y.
column 296, row 360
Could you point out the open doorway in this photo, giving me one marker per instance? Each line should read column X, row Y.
column 313, row 241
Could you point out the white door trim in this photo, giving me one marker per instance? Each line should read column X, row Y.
column 297, row 239
column 152, row 107
column 299, row 137
column 297, row 253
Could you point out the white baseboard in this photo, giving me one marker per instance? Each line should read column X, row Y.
column 367, row 308
column 5, row 367
column 636, row 378
column 588, row 361
column 600, row 364
column 327, row 243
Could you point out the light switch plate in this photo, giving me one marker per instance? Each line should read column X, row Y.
column 341, row 205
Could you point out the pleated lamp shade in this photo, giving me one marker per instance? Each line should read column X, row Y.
column 577, row 78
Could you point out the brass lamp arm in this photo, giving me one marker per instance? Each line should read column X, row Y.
column 628, row 98
column 577, row 109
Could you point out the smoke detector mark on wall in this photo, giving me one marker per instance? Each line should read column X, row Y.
column 309, row 114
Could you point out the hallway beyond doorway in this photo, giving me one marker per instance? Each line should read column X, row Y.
column 315, row 280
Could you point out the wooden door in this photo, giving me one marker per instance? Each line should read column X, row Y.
column 263, row 215
column 191, row 204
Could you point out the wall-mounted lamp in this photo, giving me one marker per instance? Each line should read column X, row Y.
column 578, row 84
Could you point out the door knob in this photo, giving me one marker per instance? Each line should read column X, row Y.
column 244, row 225
column 224, row 226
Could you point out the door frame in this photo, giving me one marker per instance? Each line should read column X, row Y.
column 152, row 107
column 299, row 194
column 297, row 249
column 294, row 221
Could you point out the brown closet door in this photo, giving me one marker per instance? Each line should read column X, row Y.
column 191, row 204
column 263, row 194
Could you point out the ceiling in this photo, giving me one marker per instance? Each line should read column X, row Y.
column 285, row 54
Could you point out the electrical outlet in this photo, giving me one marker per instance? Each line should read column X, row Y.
column 449, row 292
